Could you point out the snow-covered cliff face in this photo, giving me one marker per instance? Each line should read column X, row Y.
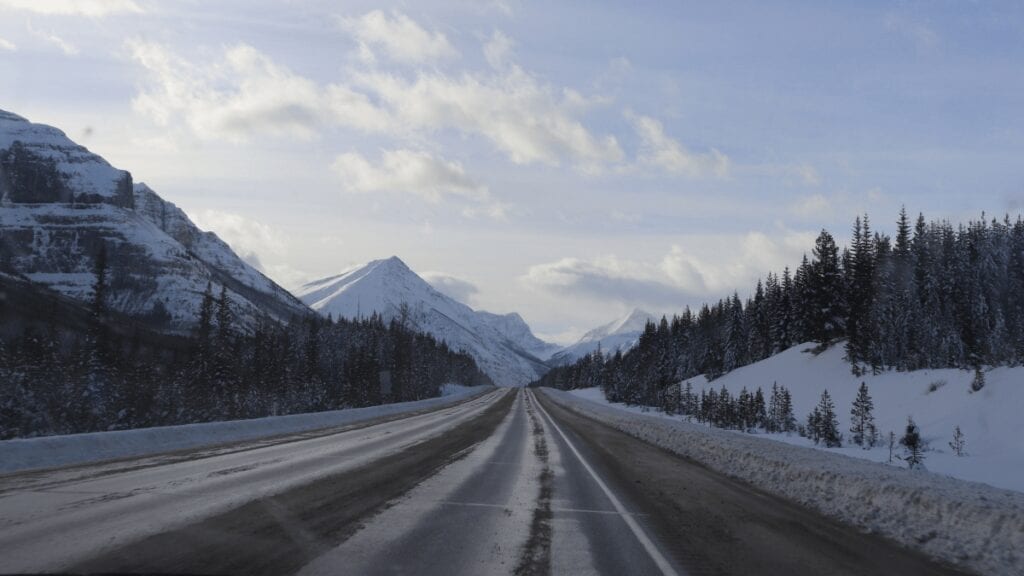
column 622, row 334
column 40, row 164
column 59, row 204
column 502, row 346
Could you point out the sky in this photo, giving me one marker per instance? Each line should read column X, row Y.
column 566, row 160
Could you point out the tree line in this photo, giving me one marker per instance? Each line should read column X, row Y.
column 935, row 296
column 57, row 378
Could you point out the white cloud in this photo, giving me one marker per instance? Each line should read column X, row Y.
column 697, row 273
column 457, row 288
column 661, row 151
column 247, row 92
column 7, row 45
column 419, row 173
column 607, row 279
column 66, row 47
column 409, row 171
column 498, row 50
column 250, row 239
column 243, row 94
column 400, row 38
column 522, row 117
column 91, row 8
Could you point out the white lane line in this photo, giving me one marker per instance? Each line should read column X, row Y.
column 507, row 507
column 652, row 550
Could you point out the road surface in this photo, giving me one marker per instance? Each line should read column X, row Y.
column 507, row 483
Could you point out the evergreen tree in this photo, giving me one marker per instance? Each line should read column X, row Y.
column 827, row 423
column 862, row 421
column 825, row 292
column 760, row 413
column 913, row 445
column 786, row 410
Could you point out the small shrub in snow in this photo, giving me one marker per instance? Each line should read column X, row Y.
column 958, row 444
column 936, row 385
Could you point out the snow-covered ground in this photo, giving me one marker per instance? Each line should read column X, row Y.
column 973, row 525
column 990, row 419
column 54, row 451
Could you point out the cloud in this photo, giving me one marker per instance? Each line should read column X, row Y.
column 661, row 151
column 681, row 277
column 246, row 93
column 498, row 50
column 250, row 239
column 419, row 173
column 398, row 36
column 91, row 8
column 450, row 286
column 66, row 47
column 7, row 45
column 409, row 171
column 243, row 94
column 523, row 118
column 607, row 279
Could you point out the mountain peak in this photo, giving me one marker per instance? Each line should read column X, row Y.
column 503, row 346
column 619, row 334
column 635, row 321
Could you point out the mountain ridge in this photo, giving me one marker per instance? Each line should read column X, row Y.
column 621, row 334
column 502, row 345
column 60, row 203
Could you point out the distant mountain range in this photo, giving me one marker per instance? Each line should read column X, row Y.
column 503, row 346
column 59, row 203
column 621, row 334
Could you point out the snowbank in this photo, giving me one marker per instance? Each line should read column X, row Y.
column 54, row 451
column 939, row 400
column 973, row 525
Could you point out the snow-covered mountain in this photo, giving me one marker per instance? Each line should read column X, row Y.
column 503, row 346
column 621, row 334
column 59, row 203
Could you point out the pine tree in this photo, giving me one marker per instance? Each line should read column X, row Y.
column 958, row 444
column 760, row 413
column 862, row 421
column 825, row 287
column 788, row 416
column 813, row 427
column 913, row 445
column 828, row 424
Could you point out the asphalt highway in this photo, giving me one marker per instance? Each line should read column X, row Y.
column 507, row 483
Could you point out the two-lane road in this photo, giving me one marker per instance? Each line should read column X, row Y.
column 507, row 483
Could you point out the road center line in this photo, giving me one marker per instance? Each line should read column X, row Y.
column 652, row 550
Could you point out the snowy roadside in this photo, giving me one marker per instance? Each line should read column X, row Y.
column 972, row 525
column 55, row 451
